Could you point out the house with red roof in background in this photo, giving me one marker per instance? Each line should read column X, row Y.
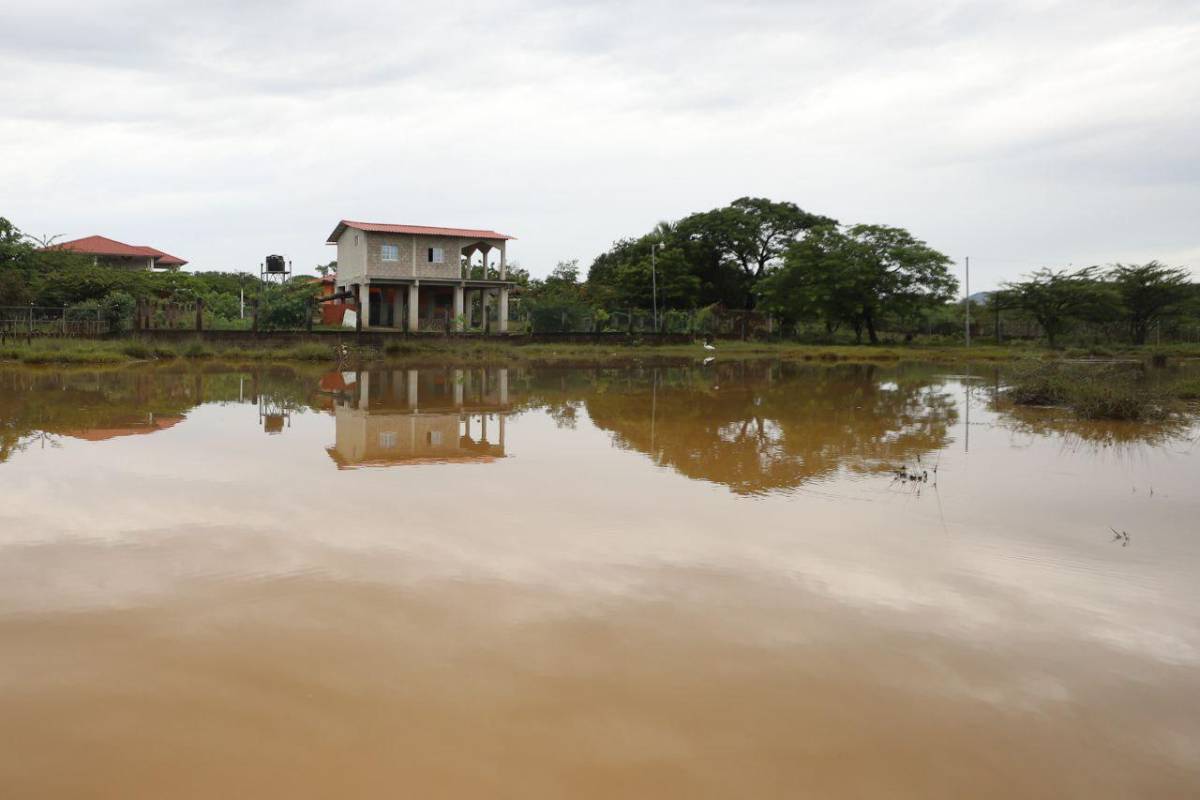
column 111, row 253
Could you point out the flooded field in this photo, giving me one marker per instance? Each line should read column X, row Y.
column 747, row 579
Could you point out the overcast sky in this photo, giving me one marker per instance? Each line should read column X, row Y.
column 1020, row 133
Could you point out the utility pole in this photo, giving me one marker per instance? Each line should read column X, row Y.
column 654, row 284
column 967, row 304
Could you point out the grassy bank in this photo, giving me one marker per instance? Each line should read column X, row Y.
column 1115, row 391
column 75, row 351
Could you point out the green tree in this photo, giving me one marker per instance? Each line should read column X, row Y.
column 723, row 253
column 1057, row 298
column 1148, row 293
column 750, row 235
column 754, row 232
column 677, row 286
column 286, row 306
column 857, row 275
column 559, row 301
column 16, row 249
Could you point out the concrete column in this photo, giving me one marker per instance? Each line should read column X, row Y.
column 398, row 308
column 458, row 308
column 458, row 388
column 502, row 380
column 502, row 311
column 502, row 432
column 503, row 262
column 483, row 251
column 483, row 308
column 412, row 388
column 364, row 390
column 483, row 427
column 413, row 294
column 364, row 303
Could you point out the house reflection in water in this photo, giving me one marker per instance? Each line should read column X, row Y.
column 387, row 417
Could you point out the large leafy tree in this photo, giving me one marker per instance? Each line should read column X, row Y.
column 1057, row 298
column 16, row 248
column 16, row 256
column 709, row 257
column 754, row 232
column 857, row 275
column 1148, row 293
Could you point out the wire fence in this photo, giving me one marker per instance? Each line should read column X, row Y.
column 84, row 321
column 30, row 322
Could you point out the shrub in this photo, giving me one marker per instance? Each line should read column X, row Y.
column 1119, row 392
column 116, row 309
column 285, row 307
column 196, row 349
column 136, row 349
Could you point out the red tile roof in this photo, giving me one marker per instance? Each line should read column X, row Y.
column 422, row 230
column 139, row 428
column 163, row 259
column 103, row 246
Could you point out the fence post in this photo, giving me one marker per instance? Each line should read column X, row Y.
column 64, row 322
column 308, row 317
column 29, row 338
column 199, row 314
column 254, row 317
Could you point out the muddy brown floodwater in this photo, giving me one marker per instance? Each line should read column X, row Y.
column 664, row 582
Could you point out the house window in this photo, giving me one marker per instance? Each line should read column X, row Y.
column 389, row 252
column 435, row 438
column 437, row 255
column 387, row 439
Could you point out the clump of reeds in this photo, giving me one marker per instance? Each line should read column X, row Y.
column 1188, row 389
column 1092, row 391
column 195, row 349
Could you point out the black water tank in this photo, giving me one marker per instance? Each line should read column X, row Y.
column 276, row 264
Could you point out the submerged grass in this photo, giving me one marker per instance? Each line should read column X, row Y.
column 1116, row 391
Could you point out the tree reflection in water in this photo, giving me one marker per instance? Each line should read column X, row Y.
column 1121, row 436
column 760, row 427
column 754, row 426
column 94, row 404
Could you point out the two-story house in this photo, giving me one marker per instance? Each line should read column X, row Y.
column 415, row 277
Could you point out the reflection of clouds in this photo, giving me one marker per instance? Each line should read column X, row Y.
column 209, row 501
column 579, row 589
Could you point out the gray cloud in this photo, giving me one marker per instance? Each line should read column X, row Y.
column 1020, row 133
